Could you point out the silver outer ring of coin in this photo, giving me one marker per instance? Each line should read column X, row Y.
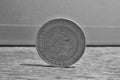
column 79, row 53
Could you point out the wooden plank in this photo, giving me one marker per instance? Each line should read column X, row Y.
column 25, row 64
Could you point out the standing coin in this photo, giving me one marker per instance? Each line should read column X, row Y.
column 60, row 42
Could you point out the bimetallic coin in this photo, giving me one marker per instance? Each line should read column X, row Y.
column 60, row 42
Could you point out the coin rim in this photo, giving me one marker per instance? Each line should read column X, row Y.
column 82, row 50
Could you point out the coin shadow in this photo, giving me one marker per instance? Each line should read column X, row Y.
column 41, row 65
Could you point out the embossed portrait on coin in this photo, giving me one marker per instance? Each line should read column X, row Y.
column 60, row 42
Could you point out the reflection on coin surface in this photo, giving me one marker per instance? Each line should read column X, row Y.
column 60, row 42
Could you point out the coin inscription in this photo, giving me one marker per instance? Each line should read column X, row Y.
column 58, row 43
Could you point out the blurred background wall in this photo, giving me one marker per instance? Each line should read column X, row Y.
column 21, row 19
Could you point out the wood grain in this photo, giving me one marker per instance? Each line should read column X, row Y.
column 98, row 63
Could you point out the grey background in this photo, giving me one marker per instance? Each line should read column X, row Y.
column 21, row 19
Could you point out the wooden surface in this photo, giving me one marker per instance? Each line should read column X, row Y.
column 23, row 63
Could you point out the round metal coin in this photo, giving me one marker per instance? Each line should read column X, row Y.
column 60, row 42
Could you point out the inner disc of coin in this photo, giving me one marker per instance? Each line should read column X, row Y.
column 59, row 43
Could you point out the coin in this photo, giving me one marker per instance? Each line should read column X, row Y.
column 60, row 42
